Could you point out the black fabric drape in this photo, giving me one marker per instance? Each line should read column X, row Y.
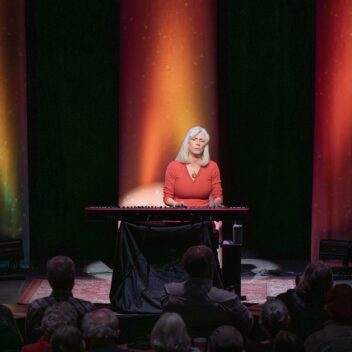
column 147, row 257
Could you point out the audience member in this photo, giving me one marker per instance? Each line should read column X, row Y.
column 200, row 304
column 169, row 334
column 225, row 338
column 336, row 335
column 287, row 341
column 101, row 330
column 10, row 336
column 305, row 303
column 67, row 339
column 274, row 318
column 58, row 315
column 61, row 277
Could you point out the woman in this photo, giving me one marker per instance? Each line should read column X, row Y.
column 169, row 334
column 193, row 178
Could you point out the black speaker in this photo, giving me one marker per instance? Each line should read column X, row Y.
column 231, row 266
column 336, row 250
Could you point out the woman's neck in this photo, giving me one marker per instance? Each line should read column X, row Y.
column 195, row 159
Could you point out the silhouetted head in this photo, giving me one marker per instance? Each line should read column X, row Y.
column 286, row 341
column 198, row 262
column 225, row 338
column 67, row 339
column 100, row 328
column 61, row 273
column 316, row 280
column 338, row 303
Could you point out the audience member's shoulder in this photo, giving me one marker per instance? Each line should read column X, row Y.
column 286, row 295
column 41, row 303
column 222, row 295
column 174, row 288
column 78, row 302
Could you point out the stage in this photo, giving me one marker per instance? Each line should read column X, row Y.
column 260, row 278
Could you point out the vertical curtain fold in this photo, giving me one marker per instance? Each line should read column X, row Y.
column 13, row 124
column 332, row 179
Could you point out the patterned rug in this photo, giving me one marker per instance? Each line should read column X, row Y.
column 256, row 289
column 88, row 288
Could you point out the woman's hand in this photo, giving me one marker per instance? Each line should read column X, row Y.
column 218, row 203
column 180, row 205
column 172, row 203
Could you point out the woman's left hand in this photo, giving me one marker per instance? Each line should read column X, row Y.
column 218, row 204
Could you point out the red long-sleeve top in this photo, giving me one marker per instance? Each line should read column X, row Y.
column 180, row 186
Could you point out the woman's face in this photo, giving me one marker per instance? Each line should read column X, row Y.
column 196, row 144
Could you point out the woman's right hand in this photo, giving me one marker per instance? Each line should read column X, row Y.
column 180, row 205
column 173, row 203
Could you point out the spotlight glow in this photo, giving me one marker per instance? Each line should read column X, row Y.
column 168, row 84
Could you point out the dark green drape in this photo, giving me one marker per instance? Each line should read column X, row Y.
column 73, row 61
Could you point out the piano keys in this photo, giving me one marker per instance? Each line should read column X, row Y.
column 150, row 213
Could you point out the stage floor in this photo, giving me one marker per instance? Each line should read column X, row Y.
column 260, row 278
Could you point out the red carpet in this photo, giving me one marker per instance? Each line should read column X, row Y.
column 256, row 289
column 91, row 289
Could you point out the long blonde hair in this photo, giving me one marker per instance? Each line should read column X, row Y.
column 183, row 154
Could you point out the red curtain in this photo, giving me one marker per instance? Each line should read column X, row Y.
column 332, row 179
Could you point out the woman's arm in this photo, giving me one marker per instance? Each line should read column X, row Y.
column 216, row 187
column 169, row 186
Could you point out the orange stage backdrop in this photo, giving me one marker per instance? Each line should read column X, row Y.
column 167, row 85
column 332, row 181
column 13, row 123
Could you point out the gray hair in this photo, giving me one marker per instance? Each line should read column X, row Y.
column 274, row 316
column 67, row 339
column 58, row 314
column 183, row 154
column 169, row 334
column 101, row 325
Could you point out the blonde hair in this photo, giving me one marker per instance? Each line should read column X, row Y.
column 169, row 334
column 183, row 154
